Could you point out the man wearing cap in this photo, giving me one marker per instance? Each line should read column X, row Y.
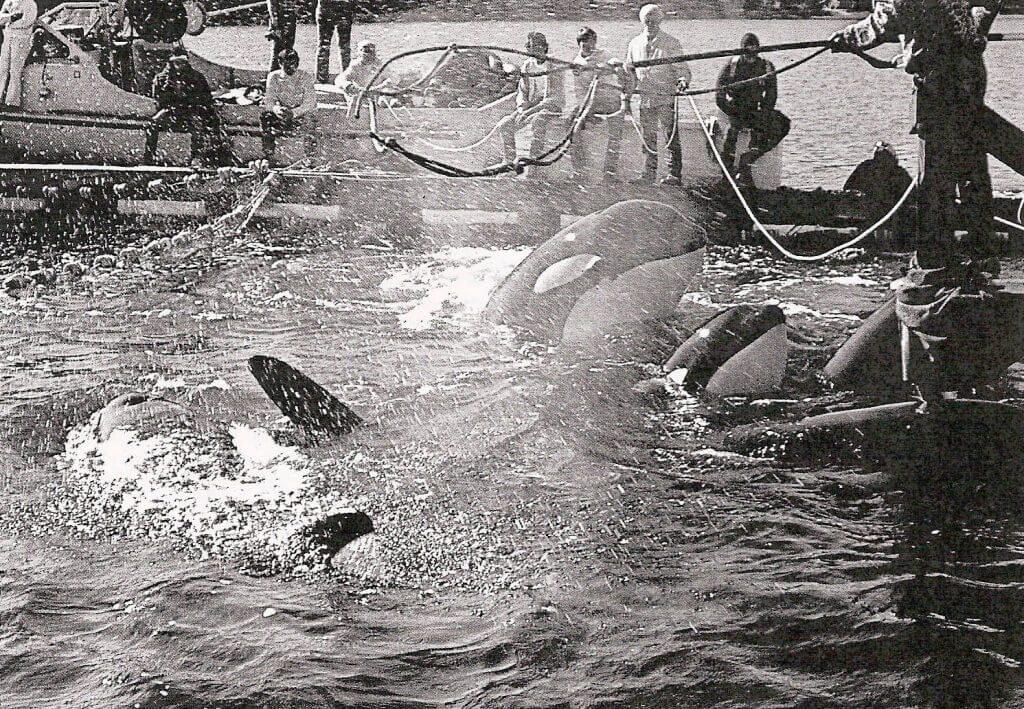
column 185, row 103
column 750, row 104
column 657, row 86
column 589, row 64
column 290, row 94
column 332, row 16
column 360, row 72
column 283, row 16
column 17, row 18
column 539, row 100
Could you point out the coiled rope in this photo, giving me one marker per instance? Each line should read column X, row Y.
column 761, row 228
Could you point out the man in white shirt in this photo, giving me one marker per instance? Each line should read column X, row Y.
column 539, row 101
column 17, row 18
column 657, row 86
column 290, row 94
column 592, row 62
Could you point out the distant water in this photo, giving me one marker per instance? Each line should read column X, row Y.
column 839, row 106
column 549, row 538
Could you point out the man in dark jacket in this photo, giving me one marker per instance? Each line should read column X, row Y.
column 750, row 105
column 949, row 72
column 333, row 16
column 185, row 103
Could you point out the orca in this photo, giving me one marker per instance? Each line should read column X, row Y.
column 618, row 267
column 963, row 437
column 306, row 404
column 742, row 350
column 986, row 336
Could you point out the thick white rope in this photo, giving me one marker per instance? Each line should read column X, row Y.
column 671, row 135
column 761, row 228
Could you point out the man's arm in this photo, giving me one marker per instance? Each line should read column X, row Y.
column 722, row 98
column 770, row 87
column 271, row 98
column 884, row 24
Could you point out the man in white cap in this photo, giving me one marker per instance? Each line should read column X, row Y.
column 17, row 18
column 657, row 86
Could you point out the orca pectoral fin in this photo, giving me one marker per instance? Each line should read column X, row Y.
column 563, row 272
column 306, row 404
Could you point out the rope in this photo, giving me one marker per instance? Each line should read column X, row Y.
column 761, row 228
column 671, row 135
column 464, row 148
column 548, row 158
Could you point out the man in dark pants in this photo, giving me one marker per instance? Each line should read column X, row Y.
column 283, row 17
column 750, row 106
column 949, row 73
column 185, row 103
column 333, row 16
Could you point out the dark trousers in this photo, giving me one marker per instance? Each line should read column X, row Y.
column 331, row 17
column 285, row 37
column 273, row 126
column 955, row 166
column 651, row 118
column 615, row 124
column 767, row 130
column 201, row 123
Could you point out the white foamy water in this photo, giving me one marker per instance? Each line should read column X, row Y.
column 453, row 283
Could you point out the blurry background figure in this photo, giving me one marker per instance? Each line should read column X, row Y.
column 17, row 18
column 332, row 16
column 360, row 72
column 471, row 79
column 880, row 177
column 283, row 16
column 750, row 106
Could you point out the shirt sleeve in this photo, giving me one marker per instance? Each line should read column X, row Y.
column 308, row 96
column 884, row 24
column 721, row 94
column 270, row 96
column 554, row 89
column 770, row 87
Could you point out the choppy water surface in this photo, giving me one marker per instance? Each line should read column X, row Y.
column 545, row 535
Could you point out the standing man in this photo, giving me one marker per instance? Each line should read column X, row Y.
column 657, row 86
column 607, row 101
column 331, row 16
column 949, row 73
column 539, row 100
column 290, row 94
column 750, row 106
column 281, row 32
column 17, row 18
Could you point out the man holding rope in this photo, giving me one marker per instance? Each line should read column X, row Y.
column 539, row 101
column 949, row 73
column 657, row 86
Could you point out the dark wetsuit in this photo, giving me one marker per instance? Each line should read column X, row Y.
column 186, row 104
column 750, row 106
column 949, row 73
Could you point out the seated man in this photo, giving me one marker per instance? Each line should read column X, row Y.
column 357, row 75
column 750, row 106
column 185, row 103
column 607, row 101
column 290, row 94
column 539, row 100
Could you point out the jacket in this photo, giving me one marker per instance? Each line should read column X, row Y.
column 747, row 99
column 186, row 89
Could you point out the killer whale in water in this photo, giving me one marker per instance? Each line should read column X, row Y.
column 609, row 271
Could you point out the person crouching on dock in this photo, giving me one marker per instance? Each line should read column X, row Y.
column 539, row 100
column 290, row 94
column 750, row 106
column 17, row 18
column 607, row 102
